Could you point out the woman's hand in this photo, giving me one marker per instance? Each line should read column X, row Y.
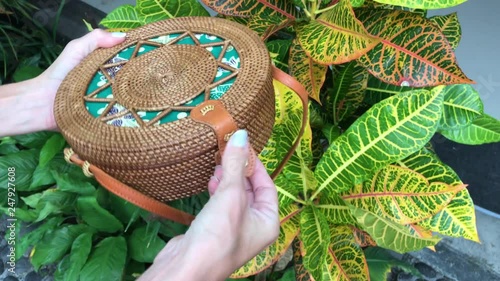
column 29, row 106
column 238, row 222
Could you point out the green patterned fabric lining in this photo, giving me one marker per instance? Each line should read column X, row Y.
column 231, row 58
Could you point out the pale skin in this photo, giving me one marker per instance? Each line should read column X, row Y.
column 240, row 219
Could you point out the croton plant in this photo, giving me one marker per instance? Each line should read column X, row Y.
column 383, row 80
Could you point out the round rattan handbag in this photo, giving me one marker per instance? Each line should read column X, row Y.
column 150, row 118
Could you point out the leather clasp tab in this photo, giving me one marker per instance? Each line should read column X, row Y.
column 214, row 114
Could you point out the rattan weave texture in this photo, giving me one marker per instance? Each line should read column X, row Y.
column 176, row 159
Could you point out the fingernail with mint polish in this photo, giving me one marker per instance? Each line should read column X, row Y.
column 118, row 34
column 239, row 138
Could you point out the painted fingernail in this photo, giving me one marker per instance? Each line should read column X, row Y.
column 118, row 34
column 239, row 138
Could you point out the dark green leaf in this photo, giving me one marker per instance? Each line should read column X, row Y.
column 278, row 50
column 55, row 244
column 484, row 129
column 123, row 210
column 53, row 145
column 62, row 267
column 54, row 201
column 107, row 261
column 155, row 10
column 8, row 146
column 144, row 244
column 26, row 72
column 35, row 235
column 380, row 263
column 80, row 251
column 96, row 216
column 24, row 162
column 33, row 140
column 65, row 182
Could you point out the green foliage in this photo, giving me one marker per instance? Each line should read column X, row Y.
column 384, row 80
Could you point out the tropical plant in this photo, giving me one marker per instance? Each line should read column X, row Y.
column 26, row 47
column 383, row 80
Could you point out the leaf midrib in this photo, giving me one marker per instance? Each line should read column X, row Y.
column 372, row 143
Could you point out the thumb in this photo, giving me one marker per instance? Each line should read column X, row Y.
column 235, row 158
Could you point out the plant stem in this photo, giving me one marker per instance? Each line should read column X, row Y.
column 287, row 194
column 305, row 9
column 320, row 11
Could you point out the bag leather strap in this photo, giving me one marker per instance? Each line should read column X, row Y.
column 163, row 210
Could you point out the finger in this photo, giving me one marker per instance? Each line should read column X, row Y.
column 234, row 160
column 78, row 49
column 265, row 193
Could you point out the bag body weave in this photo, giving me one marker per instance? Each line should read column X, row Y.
column 127, row 109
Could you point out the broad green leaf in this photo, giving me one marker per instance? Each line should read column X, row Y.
column 33, row 140
column 389, row 131
column 401, row 195
column 484, row 129
column 315, row 236
column 8, row 146
column 53, row 145
column 107, row 261
column 288, row 107
column 375, row 5
column 450, row 26
column 331, row 132
column 26, row 72
column 96, row 216
column 55, row 244
column 289, row 275
column 247, row 8
column 335, row 210
column 349, row 84
column 278, row 50
column 380, row 263
column 423, row 4
column 155, row 10
column 389, row 234
column 24, row 163
column 43, row 176
column 80, row 251
column 458, row 218
column 35, row 236
column 125, row 211
column 377, row 91
column 462, row 105
column 124, row 17
column 54, row 202
column 413, row 51
column 265, row 22
column 345, row 260
column 297, row 176
column 144, row 244
column 65, row 182
column 288, row 232
column 308, row 72
column 336, row 36
column 362, row 238
column 61, row 268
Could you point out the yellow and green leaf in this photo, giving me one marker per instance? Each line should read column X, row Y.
column 315, row 236
column 336, row 36
column 421, row 232
column 389, row 131
column 462, row 105
column 349, row 85
column 345, row 260
column 376, row 5
column 423, row 4
column 483, row 129
column 301, row 273
column 413, row 51
column 458, row 218
column 278, row 50
column 247, row 8
column 308, row 72
column 450, row 26
column 155, row 10
column 266, row 22
column 377, row 90
column 335, row 210
column 124, row 17
column 390, row 235
column 401, row 195
column 288, row 232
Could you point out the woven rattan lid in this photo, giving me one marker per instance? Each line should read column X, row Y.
column 127, row 108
